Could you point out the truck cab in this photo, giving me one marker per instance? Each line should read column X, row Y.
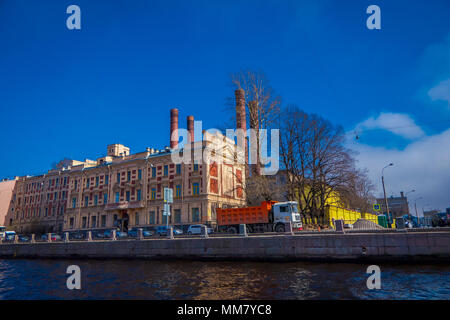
column 286, row 212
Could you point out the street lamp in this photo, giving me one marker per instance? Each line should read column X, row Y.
column 384, row 190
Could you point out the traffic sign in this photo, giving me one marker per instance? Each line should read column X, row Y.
column 168, row 195
column 376, row 207
column 166, row 210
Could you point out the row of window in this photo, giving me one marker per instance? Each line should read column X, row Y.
column 35, row 186
column 50, row 197
column 36, row 212
column 118, row 195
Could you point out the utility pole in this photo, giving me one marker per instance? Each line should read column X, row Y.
column 384, row 190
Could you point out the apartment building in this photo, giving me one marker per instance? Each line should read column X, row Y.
column 38, row 203
column 6, row 190
column 125, row 190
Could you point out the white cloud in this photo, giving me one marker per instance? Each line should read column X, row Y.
column 397, row 123
column 424, row 165
column 441, row 91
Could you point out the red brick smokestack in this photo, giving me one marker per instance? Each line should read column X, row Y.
column 254, row 124
column 173, row 127
column 241, row 120
column 190, row 127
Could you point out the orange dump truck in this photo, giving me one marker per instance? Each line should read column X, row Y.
column 268, row 217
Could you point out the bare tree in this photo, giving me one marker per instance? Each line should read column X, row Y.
column 261, row 104
column 318, row 164
column 359, row 193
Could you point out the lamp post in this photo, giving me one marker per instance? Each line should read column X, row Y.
column 384, row 190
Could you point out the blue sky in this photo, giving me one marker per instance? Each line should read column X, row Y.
column 66, row 93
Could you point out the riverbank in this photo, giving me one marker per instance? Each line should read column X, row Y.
column 378, row 246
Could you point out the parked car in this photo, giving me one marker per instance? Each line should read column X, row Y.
column 121, row 235
column 9, row 236
column 162, row 231
column 98, row 234
column 133, row 233
column 54, row 237
column 23, row 238
column 76, row 236
column 197, row 229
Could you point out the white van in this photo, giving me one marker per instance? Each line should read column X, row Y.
column 197, row 229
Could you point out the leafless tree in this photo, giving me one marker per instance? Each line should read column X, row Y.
column 359, row 193
column 318, row 164
column 261, row 104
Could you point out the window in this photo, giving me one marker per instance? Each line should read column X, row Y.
column 117, row 197
column 76, row 184
column 178, row 169
column 139, row 174
column 136, row 215
column 106, row 179
column 195, row 188
column 164, row 219
column 178, row 191
column 177, row 215
column 153, row 194
column 139, row 195
column 93, row 222
column 57, row 181
column 118, row 177
column 86, row 201
column 103, row 220
column 105, row 198
column 195, row 215
column 95, row 200
column 128, row 175
column 166, row 170
column 195, row 166
column 83, row 224
column 46, row 212
column 97, row 179
column 153, row 172
column 151, row 217
column 71, row 223
column 65, row 180
column 88, row 181
column 128, row 196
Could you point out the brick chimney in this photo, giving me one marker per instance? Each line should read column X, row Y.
column 190, row 127
column 241, row 120
column 254, row 124
column 173, row 127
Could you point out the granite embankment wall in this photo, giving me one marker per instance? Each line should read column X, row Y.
column 421, row 246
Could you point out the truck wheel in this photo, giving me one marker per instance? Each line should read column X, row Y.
column 280, row 228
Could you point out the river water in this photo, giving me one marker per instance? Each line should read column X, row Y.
column 135, row 279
